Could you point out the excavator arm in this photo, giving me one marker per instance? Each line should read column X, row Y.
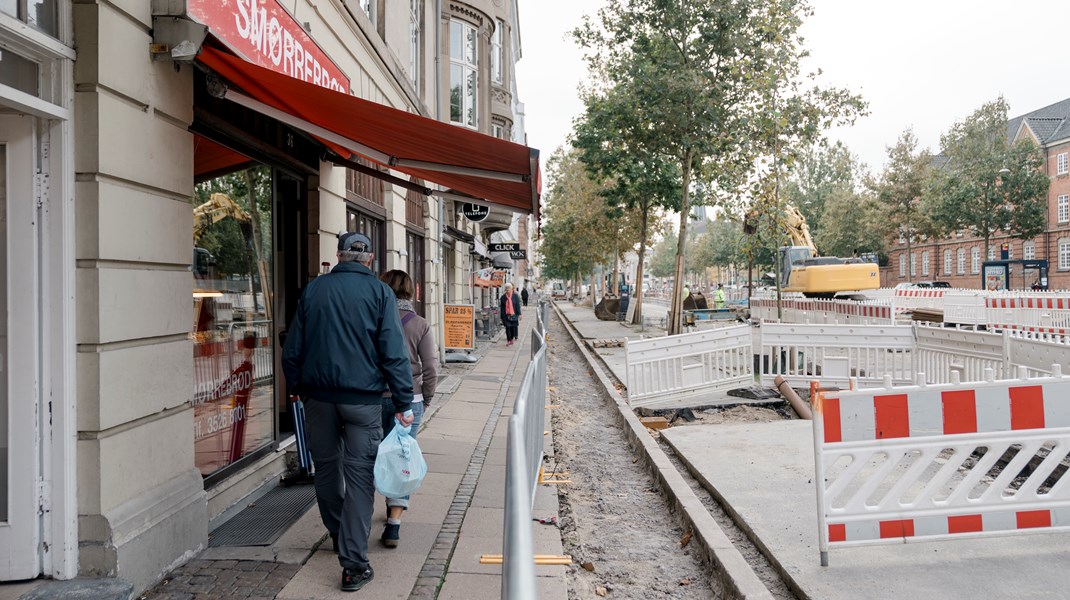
column 217, row 208
column 798, row 230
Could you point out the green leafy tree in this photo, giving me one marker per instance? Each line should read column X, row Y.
column 663, row 256
column 635, row 180
column 821, row 171
column 700, row 75
column 578, row 232
column 900, row 189
column 854, row 224
column 988, row 184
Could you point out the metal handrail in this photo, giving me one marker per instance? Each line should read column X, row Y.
column 524, row 453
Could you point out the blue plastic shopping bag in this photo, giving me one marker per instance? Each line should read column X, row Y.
column 399, row 466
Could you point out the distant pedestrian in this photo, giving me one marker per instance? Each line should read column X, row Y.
column 524, row 295
column 718, row 296
column 423, row 357
column 509, row 305
column 344, row 349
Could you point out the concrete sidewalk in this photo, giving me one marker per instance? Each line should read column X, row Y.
column 457, row 514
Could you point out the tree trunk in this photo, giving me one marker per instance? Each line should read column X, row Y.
column 637, row 297
column 676, row 310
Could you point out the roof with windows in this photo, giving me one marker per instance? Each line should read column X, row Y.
column 1047, row 124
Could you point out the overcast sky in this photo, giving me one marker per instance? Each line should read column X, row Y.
column 920, row 64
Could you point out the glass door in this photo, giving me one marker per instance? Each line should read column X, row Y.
column 19, row 436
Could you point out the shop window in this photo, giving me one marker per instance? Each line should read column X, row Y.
column 961, row 270
column 1029, row 250
column 464, row 74
column 947, row 262
column 975, row 260
column 372, row 227
column 233, row 350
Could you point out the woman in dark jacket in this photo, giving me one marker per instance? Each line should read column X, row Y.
column 509, row 304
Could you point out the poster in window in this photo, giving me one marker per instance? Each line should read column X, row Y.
column 995, row 277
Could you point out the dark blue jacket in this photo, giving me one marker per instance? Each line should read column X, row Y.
column 345, row 344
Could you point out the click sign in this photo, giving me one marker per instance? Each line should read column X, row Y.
column 505, row 247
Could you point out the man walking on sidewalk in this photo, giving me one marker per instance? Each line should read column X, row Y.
column 345, row 348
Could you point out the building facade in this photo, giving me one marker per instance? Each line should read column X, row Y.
column 959, row 259
column 158, row 234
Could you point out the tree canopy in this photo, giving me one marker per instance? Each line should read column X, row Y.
column 989, row 184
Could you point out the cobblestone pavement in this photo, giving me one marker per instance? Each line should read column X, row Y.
column 223, row 580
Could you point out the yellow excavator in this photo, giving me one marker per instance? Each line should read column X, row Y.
column 803, row 270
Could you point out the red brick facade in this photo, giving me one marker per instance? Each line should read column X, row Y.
column 1045, row 246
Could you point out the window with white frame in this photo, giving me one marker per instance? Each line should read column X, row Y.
column 991, row 253
column 1064, row 254
column 464, row 74
column 913, row 265
column 975, row 260
column 1010, row 251
column 902, row 265
column 369, row 8
column 961, row 261
column 415, row 11
column 925, row 263
column 1063, row 208
column 497, row 53
column 947, row 262
column 1062, row 165
column 1029, row 250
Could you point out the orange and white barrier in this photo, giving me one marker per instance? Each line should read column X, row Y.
column 1033, row 314
column 920, row 463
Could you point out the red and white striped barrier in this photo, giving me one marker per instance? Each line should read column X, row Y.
column 919, row 463
column 1034, row 314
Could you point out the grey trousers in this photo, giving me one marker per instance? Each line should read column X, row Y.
column 344, row 440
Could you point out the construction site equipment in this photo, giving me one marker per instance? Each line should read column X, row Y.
column 802, row 269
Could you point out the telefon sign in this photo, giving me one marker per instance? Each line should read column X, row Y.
column 265, row 34
column 475, row 212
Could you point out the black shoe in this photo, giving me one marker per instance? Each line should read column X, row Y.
column 391, row 535
column 354, row 579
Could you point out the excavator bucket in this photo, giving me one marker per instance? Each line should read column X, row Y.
column 695, row 301
column 607, row 309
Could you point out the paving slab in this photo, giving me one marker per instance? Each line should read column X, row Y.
column 764, row 471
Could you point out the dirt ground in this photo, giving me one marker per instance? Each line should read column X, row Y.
column 614, row 520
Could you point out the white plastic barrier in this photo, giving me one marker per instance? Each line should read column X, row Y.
column 664, row 369
column 943, row 351
column 917, row 463
column 836, row 353
column 822, row 311
column 910, row 299
column 1029, row 312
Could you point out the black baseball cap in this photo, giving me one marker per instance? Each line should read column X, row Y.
column 354, row 242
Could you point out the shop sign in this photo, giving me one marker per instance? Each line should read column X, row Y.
column 264, row 33
column 460, row 326
column 497, row 278
column 504, row 247
column 518, row 254
column 475, row 212
column 483, row 278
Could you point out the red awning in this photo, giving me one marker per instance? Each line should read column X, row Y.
column 488, row 169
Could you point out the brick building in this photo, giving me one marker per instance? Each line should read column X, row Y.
column 958, row 259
